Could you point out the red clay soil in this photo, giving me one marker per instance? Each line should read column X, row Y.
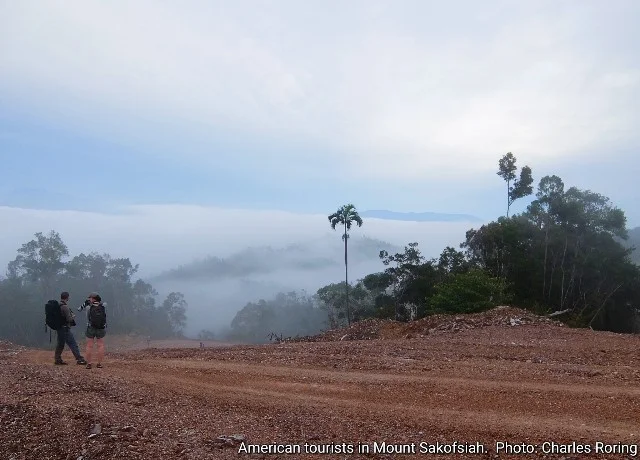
column 489, row 381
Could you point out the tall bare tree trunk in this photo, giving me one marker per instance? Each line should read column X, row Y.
column 553, row 271
column 572, row 284
column 346, row 275
column 564, row 253
column 508, row 200
column 544, row 268
column 581, row 292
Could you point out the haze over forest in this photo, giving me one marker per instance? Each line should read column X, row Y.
column 221, row 260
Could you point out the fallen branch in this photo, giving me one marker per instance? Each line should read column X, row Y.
column 558, row 313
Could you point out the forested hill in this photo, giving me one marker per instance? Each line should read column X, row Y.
column 308, row 256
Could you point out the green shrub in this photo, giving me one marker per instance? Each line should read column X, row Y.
column 470, row 292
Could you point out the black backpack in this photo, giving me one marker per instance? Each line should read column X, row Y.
column 97, row 316
column 53, row 315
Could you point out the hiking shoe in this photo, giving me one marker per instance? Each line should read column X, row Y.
column 60, row 363
column 89, row 366
column 81, row 362
column 99, row 366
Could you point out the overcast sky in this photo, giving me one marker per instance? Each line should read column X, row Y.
column 301, row 106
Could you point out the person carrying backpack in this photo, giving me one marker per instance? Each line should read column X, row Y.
column 60, row 318
column 96, row 328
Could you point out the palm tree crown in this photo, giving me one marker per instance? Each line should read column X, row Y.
column 345, row 216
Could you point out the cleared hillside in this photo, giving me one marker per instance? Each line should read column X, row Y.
column 528, row 381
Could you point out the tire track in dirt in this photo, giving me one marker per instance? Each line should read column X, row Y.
column 291, row 372
column 460, row 403
column 508, row 412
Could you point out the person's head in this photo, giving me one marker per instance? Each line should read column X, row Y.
column 94, row 297
column 64, row 296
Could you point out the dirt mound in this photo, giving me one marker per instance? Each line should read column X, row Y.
column 371, row 329
column 367, row 329
column 499, row 316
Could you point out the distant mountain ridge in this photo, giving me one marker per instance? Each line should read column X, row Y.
column 419, row 216
column 314, row 255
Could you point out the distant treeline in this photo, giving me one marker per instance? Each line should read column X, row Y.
column 39, row 272
column 568, row 251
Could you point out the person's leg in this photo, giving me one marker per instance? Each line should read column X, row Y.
column 60, row 334
column 100, row 350
column 89, row 350
column 73, row 345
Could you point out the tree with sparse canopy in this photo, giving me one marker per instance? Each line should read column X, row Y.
column 40, row 261
column 402, row 274
column 520, row 187
column 175, row 308
column 346, row 216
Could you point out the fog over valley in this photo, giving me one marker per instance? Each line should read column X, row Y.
column 220, row 259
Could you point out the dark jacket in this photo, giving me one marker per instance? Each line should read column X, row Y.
column 67, row 314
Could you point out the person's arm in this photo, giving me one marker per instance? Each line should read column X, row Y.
column 68, row 317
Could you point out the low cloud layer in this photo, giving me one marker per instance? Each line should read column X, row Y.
column 163, row 237
column 160, row 238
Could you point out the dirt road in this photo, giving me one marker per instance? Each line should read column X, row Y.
column 530, row 386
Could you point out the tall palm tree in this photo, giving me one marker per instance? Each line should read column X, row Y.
column 346, row 216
